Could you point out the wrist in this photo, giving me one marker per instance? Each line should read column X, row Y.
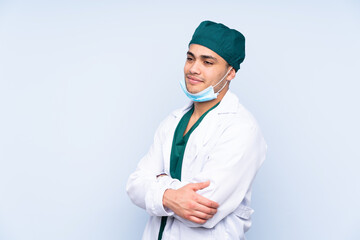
column 166, row 197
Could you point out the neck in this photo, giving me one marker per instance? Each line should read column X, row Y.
column 201, row 107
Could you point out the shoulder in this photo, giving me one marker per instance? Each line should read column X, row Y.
column 232, row 114
column 238, row 127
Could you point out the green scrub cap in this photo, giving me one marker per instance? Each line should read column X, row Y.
column 228, row 43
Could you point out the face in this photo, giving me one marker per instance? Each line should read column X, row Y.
column 204, row 68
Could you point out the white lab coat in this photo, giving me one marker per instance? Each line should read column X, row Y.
column 227, row 148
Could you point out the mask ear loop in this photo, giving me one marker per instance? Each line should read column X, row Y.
column 222, row 80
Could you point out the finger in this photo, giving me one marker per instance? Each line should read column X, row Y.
column 206, row 202
column 196, row 220
column 201, row 215
column 200, row 185
column 205, row 210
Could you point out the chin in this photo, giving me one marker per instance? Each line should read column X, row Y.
column 194, row 90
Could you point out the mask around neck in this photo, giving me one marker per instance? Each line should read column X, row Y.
column 205, row 95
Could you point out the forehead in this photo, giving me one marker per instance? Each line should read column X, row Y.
column 199, row 50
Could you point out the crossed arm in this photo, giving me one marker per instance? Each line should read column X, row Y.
column 188, row 204
column 196, row 202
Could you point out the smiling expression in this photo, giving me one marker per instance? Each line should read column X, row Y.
column 204, row 68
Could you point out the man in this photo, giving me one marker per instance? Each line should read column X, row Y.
column 195, row 181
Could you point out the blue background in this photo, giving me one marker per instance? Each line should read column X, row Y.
column 84, row 85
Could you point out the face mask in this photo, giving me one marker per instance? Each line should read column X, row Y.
column 205, row 95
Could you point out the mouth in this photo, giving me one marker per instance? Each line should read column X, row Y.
column 193, row 80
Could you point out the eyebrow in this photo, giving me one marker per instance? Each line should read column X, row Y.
column 202, row 56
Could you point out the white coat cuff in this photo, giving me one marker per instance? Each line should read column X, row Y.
column 154, row 196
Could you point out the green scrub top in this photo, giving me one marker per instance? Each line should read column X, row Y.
column 178, row 148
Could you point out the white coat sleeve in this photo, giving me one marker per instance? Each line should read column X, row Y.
column 143, row 188
column 231, row 167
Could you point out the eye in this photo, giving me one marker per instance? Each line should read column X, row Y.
column 208, row 63
column 189, row 59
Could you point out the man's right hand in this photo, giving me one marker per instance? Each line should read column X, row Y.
column 188, row 204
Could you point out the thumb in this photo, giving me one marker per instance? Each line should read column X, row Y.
column 200, row 185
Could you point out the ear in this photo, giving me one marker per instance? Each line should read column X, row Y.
column 231, row 75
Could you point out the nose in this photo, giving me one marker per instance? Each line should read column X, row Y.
column 195, row 68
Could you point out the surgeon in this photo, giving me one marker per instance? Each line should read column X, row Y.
column 195, row 181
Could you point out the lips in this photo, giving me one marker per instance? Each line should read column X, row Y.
column 193, row 80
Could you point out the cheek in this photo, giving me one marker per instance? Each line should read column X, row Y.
column 186, row 67
column 214, row 79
